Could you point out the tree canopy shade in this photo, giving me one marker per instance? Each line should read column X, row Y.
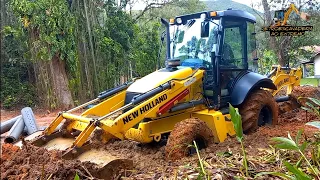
column 59, row 53
column 72, row 50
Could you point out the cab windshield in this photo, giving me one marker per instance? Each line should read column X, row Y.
column 187, row 44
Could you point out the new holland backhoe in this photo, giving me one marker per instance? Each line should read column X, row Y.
column 208, row 60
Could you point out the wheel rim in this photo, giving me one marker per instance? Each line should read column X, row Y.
column 201, row 144
column 265, row 116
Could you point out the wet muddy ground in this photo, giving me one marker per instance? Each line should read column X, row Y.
column 221, row 160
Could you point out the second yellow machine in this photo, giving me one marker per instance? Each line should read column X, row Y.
column 208, row 60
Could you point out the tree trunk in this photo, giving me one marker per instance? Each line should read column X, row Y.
column 60, row 83
column 283, row 50
column 91, row 48
column 281, row 46
column 268, row 17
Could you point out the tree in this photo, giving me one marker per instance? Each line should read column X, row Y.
column 49, row 28
column 284, row 45
column 75, row 49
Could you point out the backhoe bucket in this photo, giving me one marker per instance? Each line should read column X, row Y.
column 109, row 165
column 305, row 16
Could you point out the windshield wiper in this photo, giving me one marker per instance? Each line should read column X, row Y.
column 214, row 22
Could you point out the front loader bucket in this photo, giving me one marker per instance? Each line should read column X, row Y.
column 74, row 134
column 107, row 165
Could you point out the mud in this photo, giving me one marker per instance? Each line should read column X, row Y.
column 222, row 160
column 149, row 160
column 183, row 134
column 306, row 91
column 297, row 98
column 37, row 163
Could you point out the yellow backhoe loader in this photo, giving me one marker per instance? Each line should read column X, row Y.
column 207, row 67
column 281, row 16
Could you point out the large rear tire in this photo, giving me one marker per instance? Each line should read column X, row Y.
column 183, row 135
column 259, row 108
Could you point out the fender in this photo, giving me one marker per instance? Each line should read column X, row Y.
column 247, row 83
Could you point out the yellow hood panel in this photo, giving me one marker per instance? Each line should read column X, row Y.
column 157, row 78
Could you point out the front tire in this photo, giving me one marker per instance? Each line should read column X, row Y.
column 259, row 108
column 183, row 135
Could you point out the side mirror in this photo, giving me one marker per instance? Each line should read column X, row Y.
column 205, row 29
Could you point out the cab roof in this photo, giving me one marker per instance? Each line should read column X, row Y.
column 226, row 13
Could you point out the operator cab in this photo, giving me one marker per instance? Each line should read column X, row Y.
column 221, row 42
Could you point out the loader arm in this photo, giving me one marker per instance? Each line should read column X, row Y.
column 151, row 104
column 285, row 77
column 117, row 119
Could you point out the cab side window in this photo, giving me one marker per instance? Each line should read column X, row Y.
column 232, row 50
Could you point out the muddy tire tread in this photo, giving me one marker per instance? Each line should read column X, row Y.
column 184, row 133
column 252, row 106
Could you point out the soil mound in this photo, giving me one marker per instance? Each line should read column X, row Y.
column 33, row 163
column 299, row 92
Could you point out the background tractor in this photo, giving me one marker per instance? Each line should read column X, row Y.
column 281, row 16
column 208, row 59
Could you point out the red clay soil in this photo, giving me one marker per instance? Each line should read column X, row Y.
column 33, row 163
column 295, row 102
column 306, row 91
column 149, row 160
column 183, row 134
column 7, row 151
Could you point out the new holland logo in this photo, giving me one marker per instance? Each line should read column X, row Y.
column 144, row 109
column 280, row 26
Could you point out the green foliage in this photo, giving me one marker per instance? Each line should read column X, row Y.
column 50, row 27
column 145, row 48
column 202, row 170
column 293, row 145
column 311, row 105
column 237, row 124
column 297, row 172
column 15, row 87
column 115, row 44
column 100, row 42
column 268, row 59
column 291, row 48
column 76, row 177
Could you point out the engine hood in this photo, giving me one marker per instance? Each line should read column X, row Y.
column 157, row 78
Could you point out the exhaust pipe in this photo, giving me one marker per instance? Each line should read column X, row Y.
column 29, row 120
column 5, row 126
column 15, row 131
